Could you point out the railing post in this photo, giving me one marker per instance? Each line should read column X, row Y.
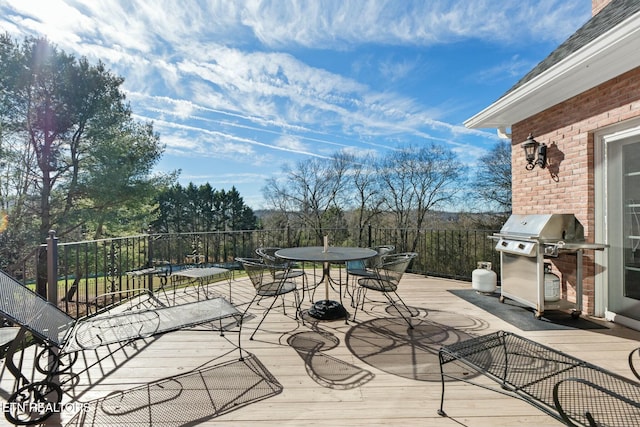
column 150, row 257
column 288, row 236
column 52, row 267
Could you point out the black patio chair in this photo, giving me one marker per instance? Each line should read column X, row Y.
column 283, row 269
column 365, row 268
column 268, row 286
column 386, row 281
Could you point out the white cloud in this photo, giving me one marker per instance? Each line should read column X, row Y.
column 291, row 143
column 394, row 71
column 510, row 68
column 338, row 24
column 240, row 79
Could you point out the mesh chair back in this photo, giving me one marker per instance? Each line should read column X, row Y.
column 278, row 267
column 376, row 260
column 24, row 307
column 255, row 269
column 264, row 282
column 394, row 265
column 269, row 255
column 361, row 265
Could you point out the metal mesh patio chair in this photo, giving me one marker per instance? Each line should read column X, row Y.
column 634, row 362
column 376, row 261
column 283, row 269
column 386, row 281
column 365, row 268
column 63, row 337
column 267, row 286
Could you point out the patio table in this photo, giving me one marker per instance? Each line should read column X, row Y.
column 200, row 275
column 326, row 309
column 160, row 271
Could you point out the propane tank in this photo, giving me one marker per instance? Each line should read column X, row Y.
column 483, row 279
column 551, row 285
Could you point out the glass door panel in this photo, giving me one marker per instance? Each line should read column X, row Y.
column 631, row 219
column 623, row 227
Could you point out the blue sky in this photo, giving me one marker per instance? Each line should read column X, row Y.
column 236, row 89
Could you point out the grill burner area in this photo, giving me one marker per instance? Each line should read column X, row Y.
column 523, row 242
column 521, row 234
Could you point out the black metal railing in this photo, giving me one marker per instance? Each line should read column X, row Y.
column 90, row 268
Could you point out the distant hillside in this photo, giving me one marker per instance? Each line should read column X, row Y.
column 436, row 219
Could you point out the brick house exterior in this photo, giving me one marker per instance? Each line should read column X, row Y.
column 588, row 87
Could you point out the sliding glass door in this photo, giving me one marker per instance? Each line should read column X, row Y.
column 623, row 212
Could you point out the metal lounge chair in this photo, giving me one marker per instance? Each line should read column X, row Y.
column 386, row 281
column 64, row 336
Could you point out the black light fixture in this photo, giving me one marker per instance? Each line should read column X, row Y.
column 531, row 146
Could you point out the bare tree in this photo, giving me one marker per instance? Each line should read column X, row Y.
column 364, row 196
column 492, row 185
column 309, row 192
column 416, row 181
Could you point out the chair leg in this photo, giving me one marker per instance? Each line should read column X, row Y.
column 359, row 293
column 246, row 310
column 296, row 302
column 284, row 305
column 307, row 288
column 354, row 288
column 393, row 303
column 299, row 304
column 364, row 297
column 263, row 317
column 355, row 306
column 304, row 287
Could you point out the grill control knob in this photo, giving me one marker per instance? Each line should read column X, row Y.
column 505, row 243
column 521, row 246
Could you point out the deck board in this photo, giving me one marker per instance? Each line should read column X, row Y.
column 365, row 373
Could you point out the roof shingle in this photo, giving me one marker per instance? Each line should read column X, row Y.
column 610, row 16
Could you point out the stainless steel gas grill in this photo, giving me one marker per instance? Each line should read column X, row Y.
column 523, row 242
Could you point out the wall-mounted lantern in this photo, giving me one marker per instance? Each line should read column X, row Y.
column 531, row 148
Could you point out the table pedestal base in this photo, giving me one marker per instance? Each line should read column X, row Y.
column 327, row 310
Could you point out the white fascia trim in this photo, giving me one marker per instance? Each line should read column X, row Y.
column 610, row 55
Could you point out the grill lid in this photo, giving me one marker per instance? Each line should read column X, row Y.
column 544, row 228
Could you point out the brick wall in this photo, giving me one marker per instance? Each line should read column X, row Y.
column 597, row 5
column 567, row 184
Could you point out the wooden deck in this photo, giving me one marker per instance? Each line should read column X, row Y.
column 372, row 372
